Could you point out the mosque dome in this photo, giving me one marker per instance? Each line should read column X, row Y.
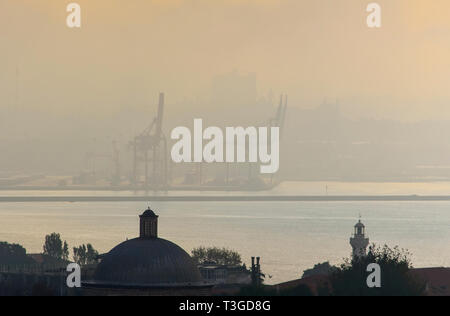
column 147, row 260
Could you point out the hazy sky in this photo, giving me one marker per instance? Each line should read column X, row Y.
column 127, row 51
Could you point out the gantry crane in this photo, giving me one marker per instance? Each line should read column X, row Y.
column 277, row 121
column 150, row 148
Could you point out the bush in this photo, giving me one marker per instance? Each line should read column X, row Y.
column 221, row 256
column 13, row 254
column 55, row 248
column 85, row 254
column 350, row 279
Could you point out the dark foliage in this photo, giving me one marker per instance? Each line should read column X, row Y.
column 221, row 256
column 85, row 255
column 350, row 279
column 13, row 254
column 55, row 248
column 319, row 269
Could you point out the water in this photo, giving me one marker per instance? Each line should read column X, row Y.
column 289, row 236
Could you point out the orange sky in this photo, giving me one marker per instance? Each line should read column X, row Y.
column 309, row 49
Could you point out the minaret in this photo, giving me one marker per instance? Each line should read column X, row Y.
column 359, row 242
column 148, row 224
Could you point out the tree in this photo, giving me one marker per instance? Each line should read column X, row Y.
column 350, row 279
column 79, row 255
column 91, row 254
column 85, row 254
column 13, row 254
column 55, row 248
column 221, row 256
column 319, row 269
column 65, row 251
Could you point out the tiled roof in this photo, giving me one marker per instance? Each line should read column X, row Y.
column 437, row 280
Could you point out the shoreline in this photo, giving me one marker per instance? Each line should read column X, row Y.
column 281, row 198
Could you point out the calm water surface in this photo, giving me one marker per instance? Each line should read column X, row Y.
column 289, row 236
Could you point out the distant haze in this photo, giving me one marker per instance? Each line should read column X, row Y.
column 364, row 104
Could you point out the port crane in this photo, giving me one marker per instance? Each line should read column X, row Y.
column 150, row 150
column 277, row 121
